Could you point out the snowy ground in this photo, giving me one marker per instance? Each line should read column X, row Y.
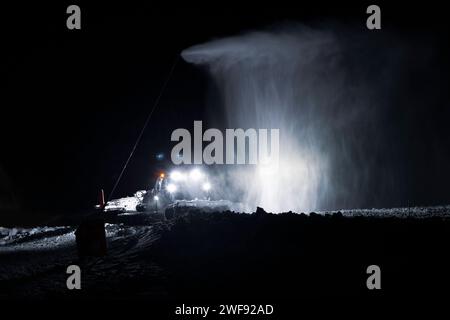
column 411, row 212
column 37, row 259
column 33, row 261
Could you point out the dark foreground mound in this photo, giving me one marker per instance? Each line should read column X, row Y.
column 233, row 258
column 287, row 256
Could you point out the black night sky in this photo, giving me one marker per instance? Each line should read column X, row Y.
column 73, row 102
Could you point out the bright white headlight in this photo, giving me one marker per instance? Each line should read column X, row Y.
column 171, row 188
column 177, row 176
column 156, row 198
column 195, row 175
column 206, row 186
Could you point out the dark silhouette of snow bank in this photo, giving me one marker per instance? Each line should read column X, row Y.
column 231, row 256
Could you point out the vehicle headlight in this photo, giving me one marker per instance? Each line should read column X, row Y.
column 171, row 188
column 206, row 186
column 156, row 198
column 195, row 175
column 177, row 176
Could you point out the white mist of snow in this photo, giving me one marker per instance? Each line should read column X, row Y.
column 265, row 79
column 337, row 96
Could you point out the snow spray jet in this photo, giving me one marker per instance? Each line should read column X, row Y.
column 313, row 85
column 259, row 75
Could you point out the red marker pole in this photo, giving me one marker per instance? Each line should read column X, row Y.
column 102, row 199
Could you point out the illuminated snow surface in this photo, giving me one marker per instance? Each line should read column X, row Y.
column 41, row 256
column 412, row 212
column 33, row 261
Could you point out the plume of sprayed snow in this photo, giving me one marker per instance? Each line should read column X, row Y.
column 304, row 82
column 260, row 75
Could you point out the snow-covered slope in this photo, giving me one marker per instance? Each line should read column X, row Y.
column 410, row 212
column 42, row 255
column 33, row 261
